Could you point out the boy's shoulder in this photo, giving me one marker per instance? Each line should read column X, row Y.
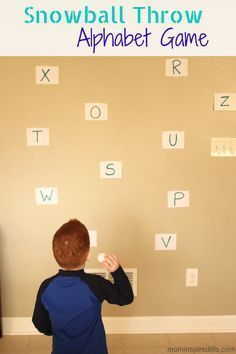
column 90, row 277
column 47, row 281
column 93, row 277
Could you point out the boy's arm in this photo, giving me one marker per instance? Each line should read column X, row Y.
column 40, row 316
column 120, row 292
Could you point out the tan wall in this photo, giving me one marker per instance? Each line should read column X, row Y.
column 126, row 212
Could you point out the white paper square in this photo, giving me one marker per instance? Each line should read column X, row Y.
column 173, row 140
column 37, row 136
column 46, row 195
column 225, row 101
column 96, row 111
column 176, row 67
column 178, row 199
column 111, row 169
column 47, row 75
column 223, row 147
column 93, row 238
column 165, row 242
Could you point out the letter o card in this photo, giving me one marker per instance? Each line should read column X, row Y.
column 96, row 111
column 111, row 169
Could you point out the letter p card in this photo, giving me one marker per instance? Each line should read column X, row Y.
column 178, row 199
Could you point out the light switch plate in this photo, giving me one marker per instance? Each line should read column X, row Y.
column 191, row 277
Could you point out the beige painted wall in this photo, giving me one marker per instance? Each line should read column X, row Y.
column 128, row 212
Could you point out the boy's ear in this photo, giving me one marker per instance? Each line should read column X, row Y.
column 88, row 256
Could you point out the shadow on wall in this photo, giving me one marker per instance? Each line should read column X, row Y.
column 1, row 262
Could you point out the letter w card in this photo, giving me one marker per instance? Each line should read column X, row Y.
column 46, row 195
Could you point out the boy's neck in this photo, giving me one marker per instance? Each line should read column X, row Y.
column 76, row 268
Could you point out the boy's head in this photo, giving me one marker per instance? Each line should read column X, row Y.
column 71, row 244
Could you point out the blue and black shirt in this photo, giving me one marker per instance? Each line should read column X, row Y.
column 68, row 307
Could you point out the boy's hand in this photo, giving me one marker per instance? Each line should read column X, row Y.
column 111, row 263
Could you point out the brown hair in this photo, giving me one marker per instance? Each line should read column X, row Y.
column 71, row 244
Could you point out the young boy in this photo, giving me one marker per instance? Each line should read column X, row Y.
column 68, row 305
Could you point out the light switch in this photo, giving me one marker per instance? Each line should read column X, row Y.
column 191, row 277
